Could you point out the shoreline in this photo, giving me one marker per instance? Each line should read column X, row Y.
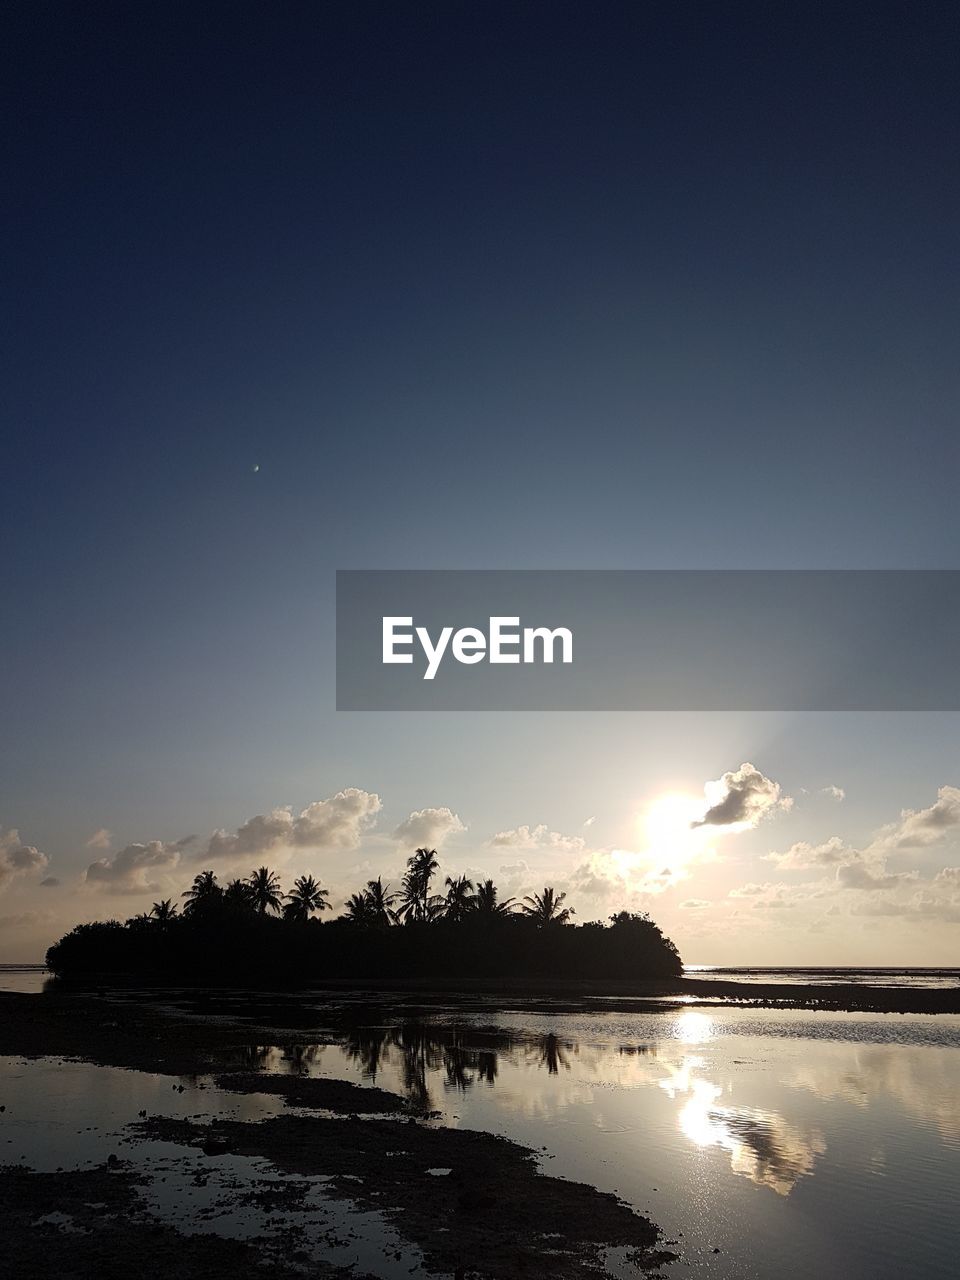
column 836, row 996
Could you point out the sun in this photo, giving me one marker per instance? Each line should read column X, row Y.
column 672, row 842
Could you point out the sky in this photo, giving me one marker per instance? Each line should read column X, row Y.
column 304, row 287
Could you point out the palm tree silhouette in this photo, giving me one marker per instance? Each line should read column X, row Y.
column 307, row 897
column 459, row 901
column 380, row 902
column 486, row 900
column 358, row 909
column 415, row 894
column 265, row 890
column 237, row 895
column 163, row 912
column 544, row 908
column 202, row 892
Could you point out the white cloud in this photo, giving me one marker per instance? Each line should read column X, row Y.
column 768, row 896
column 835, row 793
column 130, row 870
column 919, row 828
column 741, row 798
column 428, row 828
column 750, row 890
column 802, row 855
column 101, row 839
column 859, row 875
column 539, row 837
column 336, row 823
column 937, row 900
column 17, row 858
column 515, row 869
column 694, row 904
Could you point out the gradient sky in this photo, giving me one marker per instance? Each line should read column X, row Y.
column 526, row 285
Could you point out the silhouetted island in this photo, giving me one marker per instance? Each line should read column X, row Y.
column 248, row 929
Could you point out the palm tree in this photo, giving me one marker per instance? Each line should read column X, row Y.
column 358, row 909
column 307, row 896
column 265, row 890
column 459, row 901
column 202, row 893
column 380, row 902
column 545, row 908
column 415, row 893
column 163, row 912
column 486, row 900
column 237, row 895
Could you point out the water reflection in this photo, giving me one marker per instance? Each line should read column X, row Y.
column 427, row 1061
column 925, row 1087
column 763, row 1146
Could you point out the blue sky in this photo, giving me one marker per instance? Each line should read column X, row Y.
column 473, row 286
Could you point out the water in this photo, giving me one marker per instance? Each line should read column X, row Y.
column 792, row 1142
column 873, row 977
column 27, row 978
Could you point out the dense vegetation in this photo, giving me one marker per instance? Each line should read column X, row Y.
column 249, row 929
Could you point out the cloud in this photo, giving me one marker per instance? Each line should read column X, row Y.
column 694, row 904
column 519, row 868
column 802, row 855
column 130, row 870
column 597, row 877
column 767, row 896
column 49, row 882
column 938, row 899
column 538, row 837
column 588, row 822
column 336, row 823
column 101, row 839
column 859, row 875
column 741, row 798
column 750, row 890
column 919, row 828
column 428, row 828
column 835, row 793
column 17, row 858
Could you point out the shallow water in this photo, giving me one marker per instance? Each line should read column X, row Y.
column 875, row 977
column 25, row 978
column 792, row 1142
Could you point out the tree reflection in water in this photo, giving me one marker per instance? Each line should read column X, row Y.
column 761, row 1144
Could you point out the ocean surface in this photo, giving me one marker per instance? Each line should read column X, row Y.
column 766, row 1143
column 891, row 977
